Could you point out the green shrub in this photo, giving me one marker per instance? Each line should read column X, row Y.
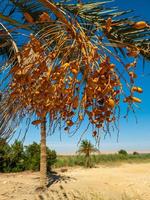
column 4, row 156
column 32, row 154
column 135, row 153
column 51, row 158
column 16, row 158
column 79, row 160
column 32, row 157
column 123, row 152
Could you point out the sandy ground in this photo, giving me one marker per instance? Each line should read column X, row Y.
column 111, row 182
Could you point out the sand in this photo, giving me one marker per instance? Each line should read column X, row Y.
column 110, row 181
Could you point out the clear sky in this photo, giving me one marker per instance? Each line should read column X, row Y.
column 133, row 137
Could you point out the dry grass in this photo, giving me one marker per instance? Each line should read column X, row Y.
column 102, row 159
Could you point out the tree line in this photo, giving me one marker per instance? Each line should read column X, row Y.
column 17, row 157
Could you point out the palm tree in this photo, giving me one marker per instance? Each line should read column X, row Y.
column 87, row 149
column 53, row 74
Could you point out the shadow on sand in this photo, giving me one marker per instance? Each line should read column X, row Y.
column 54, row 177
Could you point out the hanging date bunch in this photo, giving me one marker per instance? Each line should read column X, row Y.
column 102, row 94
column 70, row 91
column 41, row 87
column 66, row 72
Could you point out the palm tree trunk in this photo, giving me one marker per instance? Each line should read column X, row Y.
column 43, row 165
column 87, row 159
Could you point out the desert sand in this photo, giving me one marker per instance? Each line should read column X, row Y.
column 110, row 181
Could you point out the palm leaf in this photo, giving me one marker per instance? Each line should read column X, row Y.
column 71, row 33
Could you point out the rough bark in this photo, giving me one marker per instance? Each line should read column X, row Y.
column 43, row 165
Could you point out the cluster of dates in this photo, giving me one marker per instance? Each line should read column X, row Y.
column 102, row 94
column 66, row 91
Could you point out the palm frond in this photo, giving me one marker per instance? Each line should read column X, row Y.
column 72, row 44
column 8, row 48
column 86, row 147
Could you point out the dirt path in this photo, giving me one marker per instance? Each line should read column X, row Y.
column 110, row 182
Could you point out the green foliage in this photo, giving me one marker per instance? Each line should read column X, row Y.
column 32, row 161
column 4, row 155
column 11, row 157
column 135, row 153
column 16, row 157
column 32, row 157
column 87, row 148
column 51, row 158
column 104, row 159
column 123, row 152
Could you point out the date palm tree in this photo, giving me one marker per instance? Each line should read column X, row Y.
column 86, row 148
column 57, row 65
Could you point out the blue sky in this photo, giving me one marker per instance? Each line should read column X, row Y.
column 133, row 137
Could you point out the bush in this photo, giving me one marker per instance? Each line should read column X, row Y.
column 32, row 153
column 135, row 153
column 4, row 156
column 11, row 157
column 51, row 158
column 123, row 152
column 32, row 157
column 16, row 158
